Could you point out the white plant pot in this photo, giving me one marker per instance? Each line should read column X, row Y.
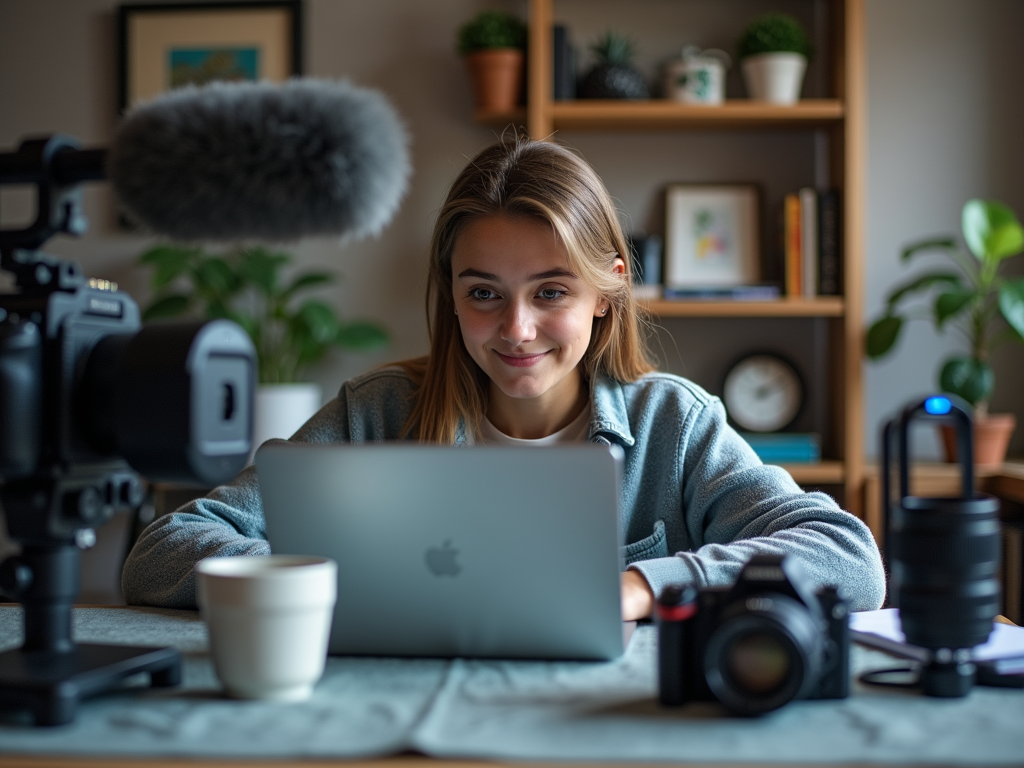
column 775, row 77
column 281, row 409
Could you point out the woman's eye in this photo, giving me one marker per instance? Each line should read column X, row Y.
column 551, row 294
column 482, row 294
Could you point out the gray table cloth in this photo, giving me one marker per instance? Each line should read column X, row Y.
column 501, row 710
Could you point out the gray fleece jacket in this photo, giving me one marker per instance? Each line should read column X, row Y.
column 696, row 501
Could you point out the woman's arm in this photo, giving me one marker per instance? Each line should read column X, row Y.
column 735, row 507
column 228, row 521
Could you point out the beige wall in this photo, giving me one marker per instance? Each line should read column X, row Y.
column 945, row 123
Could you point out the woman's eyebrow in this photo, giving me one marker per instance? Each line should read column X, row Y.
column 494, row 278
column 478, row 274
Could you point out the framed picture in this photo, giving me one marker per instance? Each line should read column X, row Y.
column 165, row 46
column 712, row 235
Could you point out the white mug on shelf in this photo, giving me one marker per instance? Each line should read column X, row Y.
column 269, row 620
column 698, row 77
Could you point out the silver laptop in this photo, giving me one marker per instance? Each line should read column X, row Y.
column 499, row 552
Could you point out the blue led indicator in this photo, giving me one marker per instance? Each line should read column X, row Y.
column 937, row 406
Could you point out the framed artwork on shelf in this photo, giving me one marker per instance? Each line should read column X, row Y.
column 165, row 46
column 712, row 236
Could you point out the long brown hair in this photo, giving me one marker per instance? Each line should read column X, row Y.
column 546, row 182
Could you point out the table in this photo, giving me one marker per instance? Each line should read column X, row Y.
column 468, row 710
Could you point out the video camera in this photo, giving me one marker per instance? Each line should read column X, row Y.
column 89, row 401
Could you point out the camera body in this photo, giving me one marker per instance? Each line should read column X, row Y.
column 754, row 646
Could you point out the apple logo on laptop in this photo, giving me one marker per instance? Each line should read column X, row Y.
column 441, row 560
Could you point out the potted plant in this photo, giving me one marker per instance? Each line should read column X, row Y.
column 613, row 76
column 493, row 44
column 984, row 305
column 290, row 332
column 773, row 52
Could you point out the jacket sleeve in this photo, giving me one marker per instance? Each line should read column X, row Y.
column 734, row 507
column 228, row 521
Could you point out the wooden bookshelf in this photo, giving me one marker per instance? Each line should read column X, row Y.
column 824, row 306
column 837, row 115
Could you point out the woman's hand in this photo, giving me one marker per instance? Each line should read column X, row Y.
column 637, row 596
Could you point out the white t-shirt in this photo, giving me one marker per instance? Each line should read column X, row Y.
column 575, row 432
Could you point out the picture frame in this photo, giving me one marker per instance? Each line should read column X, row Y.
column 712, row 235
column 165, row 45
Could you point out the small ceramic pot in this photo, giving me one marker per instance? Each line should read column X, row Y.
column 775, row 77
column 991, row 438
column 497, row 78
column 698, row 77
column 281, row 409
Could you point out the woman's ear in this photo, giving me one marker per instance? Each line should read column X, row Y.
column 618, row 268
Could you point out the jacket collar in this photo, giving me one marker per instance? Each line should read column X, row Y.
column 607, row 413
column 608, row 410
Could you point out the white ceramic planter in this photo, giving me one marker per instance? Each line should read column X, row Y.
column 283, row 408
column 775, row 77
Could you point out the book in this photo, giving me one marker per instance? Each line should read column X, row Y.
column 563, row 65
column 829, row 244
column 724, row 293
column 793, row 253
column 1011, row 565
column 809, row 242
column 785, row 447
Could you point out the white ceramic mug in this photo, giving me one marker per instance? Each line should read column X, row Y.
column 269, row 620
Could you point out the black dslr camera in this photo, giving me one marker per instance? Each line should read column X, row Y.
column 756, row 645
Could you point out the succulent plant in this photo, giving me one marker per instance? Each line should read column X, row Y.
column 614, row 77
column 773, row 33
column 489, row 30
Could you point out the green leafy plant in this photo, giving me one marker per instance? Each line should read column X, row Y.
column 986, row 307
column 245, row 285
column 491, row 29
column 773, row 33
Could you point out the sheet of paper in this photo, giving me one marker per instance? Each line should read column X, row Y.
column 1005, row 642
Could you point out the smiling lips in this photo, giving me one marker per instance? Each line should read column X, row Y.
column 521, row 361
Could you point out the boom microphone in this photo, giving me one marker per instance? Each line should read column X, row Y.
column 231, row 161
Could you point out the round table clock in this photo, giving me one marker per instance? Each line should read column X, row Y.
column 763, row 393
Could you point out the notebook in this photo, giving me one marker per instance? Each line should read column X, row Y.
column 495, row 552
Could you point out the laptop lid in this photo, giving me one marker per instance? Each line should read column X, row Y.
column 491, row 551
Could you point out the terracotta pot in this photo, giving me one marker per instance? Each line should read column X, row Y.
column 497, row 78
column 991, row 437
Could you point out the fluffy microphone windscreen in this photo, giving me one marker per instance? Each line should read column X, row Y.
column 235, row 161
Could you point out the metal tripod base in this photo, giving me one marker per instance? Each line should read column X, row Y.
column 51, row 683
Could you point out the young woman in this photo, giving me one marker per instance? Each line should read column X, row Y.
column 535, row 339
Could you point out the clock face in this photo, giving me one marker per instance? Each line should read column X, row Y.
column 762, row 393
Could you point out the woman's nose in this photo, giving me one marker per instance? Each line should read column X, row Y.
column 517, row 326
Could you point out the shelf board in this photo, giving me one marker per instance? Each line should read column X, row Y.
column 662, row 114
column 822, row 472
column 823, row 306
column 672, row 115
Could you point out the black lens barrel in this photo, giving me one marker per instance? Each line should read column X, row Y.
column 945, row 554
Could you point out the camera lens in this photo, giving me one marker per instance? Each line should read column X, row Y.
column 945, row 557
column 767, row 650
column 757, row 662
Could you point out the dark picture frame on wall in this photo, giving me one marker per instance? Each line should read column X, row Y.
column 166, row 45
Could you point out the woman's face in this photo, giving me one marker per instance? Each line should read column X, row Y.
column 525, row 317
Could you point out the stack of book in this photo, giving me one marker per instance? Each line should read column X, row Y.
column 785, row 447
column 811, row 243
column 765, row 292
